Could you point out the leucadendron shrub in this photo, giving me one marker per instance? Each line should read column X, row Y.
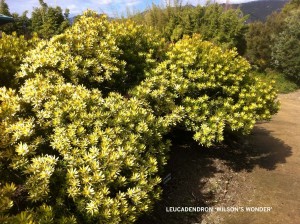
column 82, row 138
column 69, row 155
column 75, row 148
column 214, row 87
column 97, row 53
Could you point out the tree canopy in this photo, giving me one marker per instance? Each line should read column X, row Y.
column 274, row 44
column 213, row 22
column 286, row 48
column 46, row 21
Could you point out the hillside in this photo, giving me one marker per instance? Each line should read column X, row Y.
column 259, row 10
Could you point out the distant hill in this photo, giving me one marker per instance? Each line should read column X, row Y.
column 260, row 10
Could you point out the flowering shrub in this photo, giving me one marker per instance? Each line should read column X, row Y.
column 77, row 152
column 82, row 137
column 96, row 53
column 214, row 88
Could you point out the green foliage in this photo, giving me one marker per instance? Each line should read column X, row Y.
column 4, row 9
column 291, row 5
column 224, row 27
column 213, row 22
column 6, row 193
column 275, row 45
column 258, row 45
column 260, row 39
column 12, row 52
column 286, row 49
column 48, row 21
column 213, row 86
column 21, row 25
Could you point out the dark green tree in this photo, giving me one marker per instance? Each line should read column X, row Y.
column 258, row 45
column 22, row 24
column 227, row 27
column 4, row 9
column 49, row 21
column 286, row 48
column 213, row 22
column 262, row 36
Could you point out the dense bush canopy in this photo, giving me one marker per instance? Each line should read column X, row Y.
column 214, row 87
column 70, row 141
column 75, row 152
column 96, row 53
column 215, row 23
column 12, row 51
column 274, row 43
column 83, row 136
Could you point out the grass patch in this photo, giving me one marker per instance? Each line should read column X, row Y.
column 282, row 84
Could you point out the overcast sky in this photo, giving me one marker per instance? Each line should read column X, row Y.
column 111, row 7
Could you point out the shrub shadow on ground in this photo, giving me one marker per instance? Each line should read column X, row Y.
column 260, row 149
column 192, row 168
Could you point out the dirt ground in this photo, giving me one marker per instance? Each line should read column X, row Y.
column 260, row 171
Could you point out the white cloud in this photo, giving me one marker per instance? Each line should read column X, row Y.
column 132, row 3
column 74, row 9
